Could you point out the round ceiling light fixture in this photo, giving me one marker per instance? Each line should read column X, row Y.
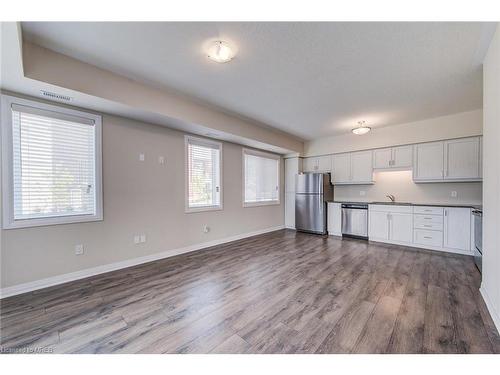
column 220, row 51
column 361, row 129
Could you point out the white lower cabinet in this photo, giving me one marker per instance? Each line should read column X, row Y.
column 432, row 238
column 378, row 225
column 401, row 227
column 456, row 234
column 290, row 210
column 392, row 224
column 334, row 220
column 429, row 227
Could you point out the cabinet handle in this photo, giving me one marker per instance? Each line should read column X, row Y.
column 428, row 218
column 428, row 226
column 445, row 212
column 428, row 238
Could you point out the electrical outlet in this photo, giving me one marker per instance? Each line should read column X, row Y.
column 362, row 193
column 143, row 238
column 137, row 239
column 161, row 160
column 206, row 229
column 454, row 194
column 142, row 157
column 79, row 249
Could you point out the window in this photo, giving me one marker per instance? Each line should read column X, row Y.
column 261, row 174
column 51, row 164
column 203, row 174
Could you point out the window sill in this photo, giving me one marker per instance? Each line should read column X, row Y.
column 203, row 209
column 258, row 204
column 43, row 222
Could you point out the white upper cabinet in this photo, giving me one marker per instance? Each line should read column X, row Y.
column 318, row 164
column 451, row 160
column 481, row 157
column 352, row 168
column 428, row 161
column 324, row 163
column 362, row 167
column 291, row 170
column 402, row 157
column 461, row 159
column 393, row 157
column 341, row 168
column 457, row 228
column 310, row 164
column 382, row 158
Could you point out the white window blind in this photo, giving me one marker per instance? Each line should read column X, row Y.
column 203, row 174
column 53, row 164
column 261, row 178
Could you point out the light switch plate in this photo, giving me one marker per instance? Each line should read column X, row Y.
column 141, row 157
column 143, row 238
column 137, row 239
column 161, row 159
column 454, row 194
column 362, row 193
column 79, row 249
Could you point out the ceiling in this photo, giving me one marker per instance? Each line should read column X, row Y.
column 308, row 79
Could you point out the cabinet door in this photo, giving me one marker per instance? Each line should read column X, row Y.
column 382, row 158
column 378, row 225
column 481, row 157
column 461, row 158
column 402, row 156
column 428, row 163
column 334, row 219
column 310, row 164
column 325, row 163
column 362, row 167
column 457, row 228
column 290, row 210
column 401, row 227
column 291, row 170
column 341, row 168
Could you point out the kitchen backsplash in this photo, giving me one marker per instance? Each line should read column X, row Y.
column 401, row 185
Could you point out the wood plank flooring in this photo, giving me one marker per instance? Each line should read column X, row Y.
column 282, row 292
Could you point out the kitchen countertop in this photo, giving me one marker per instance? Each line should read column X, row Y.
column 475, row 206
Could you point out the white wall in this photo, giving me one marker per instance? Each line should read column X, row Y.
column 452, row 126
column 139, row 197
column 401, row 185
column 491, row 174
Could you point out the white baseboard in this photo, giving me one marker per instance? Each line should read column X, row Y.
column 61, row 279
column 495, row 316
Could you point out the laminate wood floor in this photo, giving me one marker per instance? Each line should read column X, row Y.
column 282, row 292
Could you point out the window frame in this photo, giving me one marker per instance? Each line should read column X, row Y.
column 211, row 142
column 8, row 221
column 248, row 151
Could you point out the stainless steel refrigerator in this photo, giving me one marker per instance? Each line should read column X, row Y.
column 312, row 191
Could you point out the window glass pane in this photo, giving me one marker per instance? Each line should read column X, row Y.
column 53, row 166
column 203, row 175
column 261, row 179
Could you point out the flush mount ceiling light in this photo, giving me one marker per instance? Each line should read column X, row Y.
column 220, row 51
column 361, row 129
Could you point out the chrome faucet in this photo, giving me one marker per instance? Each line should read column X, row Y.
column 391, row 197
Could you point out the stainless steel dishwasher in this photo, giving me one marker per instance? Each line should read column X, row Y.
column 355, row 220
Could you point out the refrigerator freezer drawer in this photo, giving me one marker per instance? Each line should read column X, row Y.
column 310, row 213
